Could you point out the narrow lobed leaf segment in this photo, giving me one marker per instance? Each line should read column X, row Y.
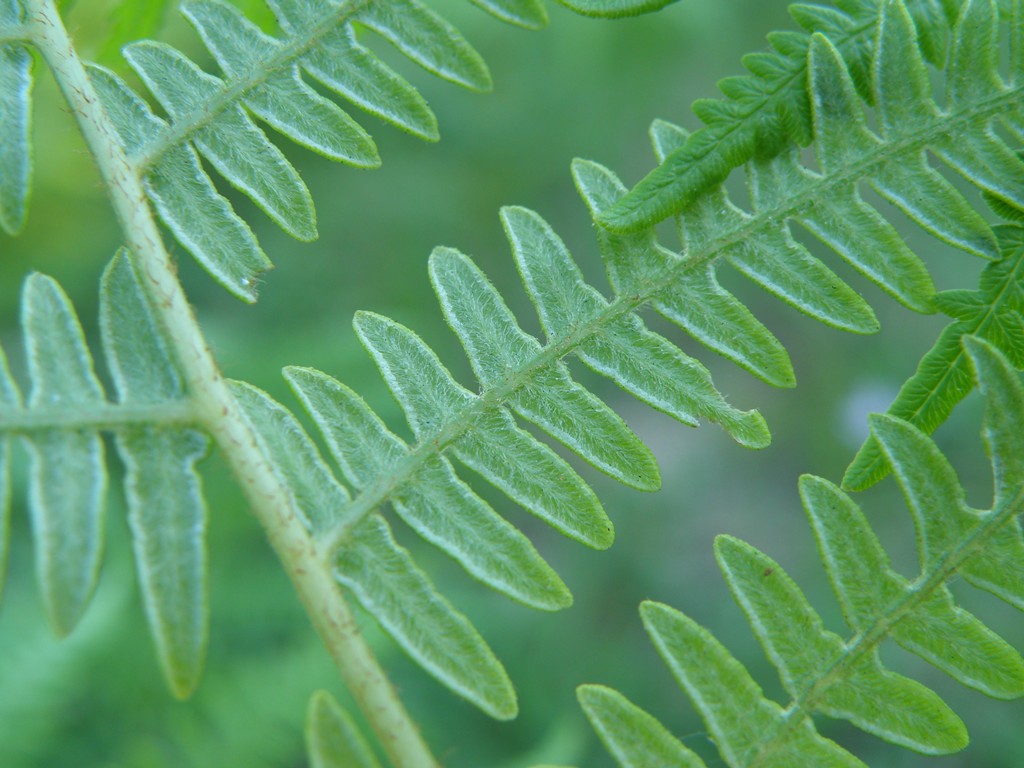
column 332, row 738
column 772, row 110
column 614, row 9
column 61, row 426
column 15, row 116
column 822, row 672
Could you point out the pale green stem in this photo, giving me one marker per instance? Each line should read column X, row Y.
column 218, row 411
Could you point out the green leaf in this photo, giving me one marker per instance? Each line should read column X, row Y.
column 1004, row 402
column 332, row 738
column 200, row 217
column 166, row 510
column 941, row 515
column 634, row 738
column 429, row 40
column 543, row 390
column 732, row 705
column 614, row 9
column 387, row 583
column 536, row 477
column 769, row 111
column 773, row 258
column 284, row 101
column 891, row 706
column 68, row 477
column 529, row 14
column 869, row 591
column 843, row 137
column 507, row 456
column 231, row 142
column 167, row 515
column 943, row 376
column 643, row 363
column 15, row 121
column 435, row 503
column 850, row 227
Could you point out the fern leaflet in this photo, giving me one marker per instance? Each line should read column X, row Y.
column 332, row 739
column 769, row 110
column 845, row 679
column 15, row 87
column 519, row 375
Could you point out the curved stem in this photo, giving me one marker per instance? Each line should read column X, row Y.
column 217, row 410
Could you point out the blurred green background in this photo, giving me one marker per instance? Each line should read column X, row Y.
column 579, row 88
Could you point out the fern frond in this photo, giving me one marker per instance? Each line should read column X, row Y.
column 518, row 375
column 943, row 378
column 61, row 426
column 263, row 76
column 15, row 116
column 772, row 109
column 845, row 678
column 760, row 244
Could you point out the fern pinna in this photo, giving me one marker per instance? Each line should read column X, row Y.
column 330, row 533
column 770, row 110
column 265, row 77
column 840, row 678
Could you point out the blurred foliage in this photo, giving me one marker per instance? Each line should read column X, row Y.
column 579, row 88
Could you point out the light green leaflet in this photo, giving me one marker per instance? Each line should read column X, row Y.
column 15, row 118
column 383, row 577
column 496, row 346
column 611, row 9
column 845, row 678
column 826, row 203
column 644, row 363
column 184, row 195
column 68, row 479
column 332, row 739
column 633, row 737
column 166, row 509
column 261, row 75
column 733, row 706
